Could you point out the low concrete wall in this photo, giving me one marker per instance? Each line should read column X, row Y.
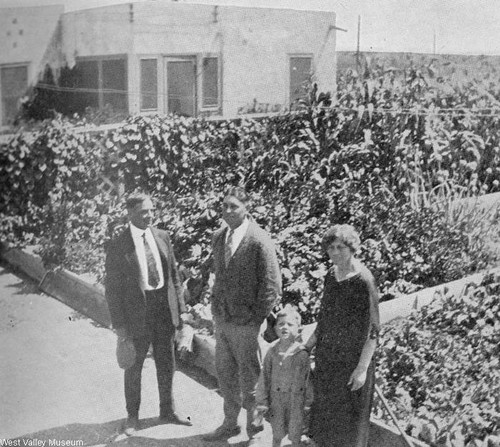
column 29, row 264
column 204, row 353
column 67, row 287
column 404, row 306
column 86, row 298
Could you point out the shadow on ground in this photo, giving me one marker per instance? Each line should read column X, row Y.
column 89, row 434
column 25, row 286
column 197, row 374
column 149, row 435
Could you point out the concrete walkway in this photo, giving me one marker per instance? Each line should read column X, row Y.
column 59, row 381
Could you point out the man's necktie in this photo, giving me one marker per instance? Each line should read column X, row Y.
column 228, row 249
column 153, row 275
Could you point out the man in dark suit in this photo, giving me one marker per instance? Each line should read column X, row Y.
column 246, row 288
column 145, row 300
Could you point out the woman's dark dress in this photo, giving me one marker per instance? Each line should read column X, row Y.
column 348, row 317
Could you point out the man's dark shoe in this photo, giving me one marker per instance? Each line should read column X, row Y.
column 175, row 418
column 131, row 425
column 222, row 432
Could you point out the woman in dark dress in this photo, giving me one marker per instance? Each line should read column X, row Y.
column 345, row 340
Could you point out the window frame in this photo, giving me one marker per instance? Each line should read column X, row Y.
column 289, row 68
column 27, row 66
column 100, row 89
column 162, row 81
column 159, row 77
column 218, row 106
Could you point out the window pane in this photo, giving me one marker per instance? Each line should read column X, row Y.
column 149, row 84
column 13, row 87
column 114, row 84
column 300, row 71
column 181, row 87
column 87, row 83
column 210, row 82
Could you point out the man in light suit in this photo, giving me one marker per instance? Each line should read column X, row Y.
column 246, row 288
column 145, row 300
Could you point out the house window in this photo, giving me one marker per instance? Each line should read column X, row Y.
column 86, row 85
column 14, row 83
column 99, row 83
column 300, row 75
column 114, row 84
column 210, row 82
column 149, row 84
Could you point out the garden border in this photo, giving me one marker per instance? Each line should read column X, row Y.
column 89, row 300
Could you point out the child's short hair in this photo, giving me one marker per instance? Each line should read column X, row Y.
column 290, row 311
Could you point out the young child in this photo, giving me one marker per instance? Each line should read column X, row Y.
column 283, row 390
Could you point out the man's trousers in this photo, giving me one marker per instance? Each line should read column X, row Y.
column 238, row 362
column 161, row 335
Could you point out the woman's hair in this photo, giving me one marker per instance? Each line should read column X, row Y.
column 289, row 311
column 239, row 193
column 343, row 233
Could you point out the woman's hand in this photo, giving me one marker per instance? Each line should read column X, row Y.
column 357, row 379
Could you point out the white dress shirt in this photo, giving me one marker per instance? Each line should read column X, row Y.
column 238, row 234
column 137, row 235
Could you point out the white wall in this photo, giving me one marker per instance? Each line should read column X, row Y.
column 28, row 36
column 96, row 32
column 25, row 33
column 257, row 47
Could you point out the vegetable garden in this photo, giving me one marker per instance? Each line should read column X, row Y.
column 393, row 156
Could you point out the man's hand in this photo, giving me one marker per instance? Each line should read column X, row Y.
column 357, row 379
column 184, row 340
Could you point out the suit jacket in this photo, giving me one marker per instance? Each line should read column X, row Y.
column 124, row 294
column 247, row 289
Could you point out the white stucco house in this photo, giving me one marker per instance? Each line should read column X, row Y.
column 162, row 57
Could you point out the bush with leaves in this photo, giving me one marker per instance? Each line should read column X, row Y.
column 440, row 368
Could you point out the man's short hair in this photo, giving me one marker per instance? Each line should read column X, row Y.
column 135, row 199
column 239, row 193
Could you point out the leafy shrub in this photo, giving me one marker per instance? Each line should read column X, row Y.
column 440, row 368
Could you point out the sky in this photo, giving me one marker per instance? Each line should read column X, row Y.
column 420, row 26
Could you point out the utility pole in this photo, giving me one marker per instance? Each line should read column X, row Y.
column 357, row 48
column 434, row 43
